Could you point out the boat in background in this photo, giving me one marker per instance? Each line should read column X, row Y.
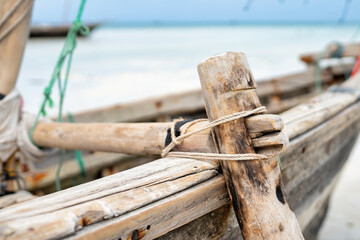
column 54, row 30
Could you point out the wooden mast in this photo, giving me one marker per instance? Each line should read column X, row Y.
column 254, row 187
column 14, row 30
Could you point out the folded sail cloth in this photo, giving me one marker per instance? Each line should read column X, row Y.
column 14, row 132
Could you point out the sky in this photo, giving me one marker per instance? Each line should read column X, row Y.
column 201, row 11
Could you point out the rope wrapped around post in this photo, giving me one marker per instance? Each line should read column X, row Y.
column 212, row 156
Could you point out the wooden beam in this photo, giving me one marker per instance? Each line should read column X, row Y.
column 143, row 138
column 254, row 186
column 13, row 35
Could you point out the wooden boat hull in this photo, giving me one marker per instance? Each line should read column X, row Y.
column 309, row 200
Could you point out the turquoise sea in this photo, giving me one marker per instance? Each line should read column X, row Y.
column 122, row 64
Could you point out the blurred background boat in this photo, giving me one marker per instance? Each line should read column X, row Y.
column 54, row 30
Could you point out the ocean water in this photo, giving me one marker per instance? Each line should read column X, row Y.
column 117, row 65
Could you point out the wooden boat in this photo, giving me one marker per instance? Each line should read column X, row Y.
column 185, row 198
column 61, row 30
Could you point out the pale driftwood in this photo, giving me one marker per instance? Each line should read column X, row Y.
column 192, row 101
column 142, row 138
column 174, row 176
column 85, row 204
column 349, row 50
column 254, row 186
column 18, row 197
column 12, row 42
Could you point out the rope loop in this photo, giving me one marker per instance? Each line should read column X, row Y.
column 80, row 28
column 211, row 156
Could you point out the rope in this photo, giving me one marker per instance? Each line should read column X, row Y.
column 212, row 156
column 66, row 54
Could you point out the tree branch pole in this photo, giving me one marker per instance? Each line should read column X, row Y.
column 150, row 138
column 254, row 187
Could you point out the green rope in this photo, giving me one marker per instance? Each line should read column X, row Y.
column 66, row 54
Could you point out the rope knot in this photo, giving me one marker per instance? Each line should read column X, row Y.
column 176, row 140
column 47, row 94
column 79, row 27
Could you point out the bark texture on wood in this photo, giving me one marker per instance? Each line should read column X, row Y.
column 13, row 44
column 254, row 187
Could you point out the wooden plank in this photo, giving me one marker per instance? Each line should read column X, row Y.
column 277, row 105
column 44, row 180
column 18, row 197
column 349, row 50
column 145, row 110
column 158, row 179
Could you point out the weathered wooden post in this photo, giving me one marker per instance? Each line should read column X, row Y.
column 254, row 187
